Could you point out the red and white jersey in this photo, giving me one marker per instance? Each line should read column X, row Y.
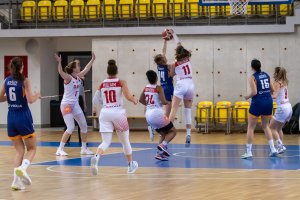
column 71, row 90
column 282, row 96
column 152, row 97
column 111, row 93
column 183, row 70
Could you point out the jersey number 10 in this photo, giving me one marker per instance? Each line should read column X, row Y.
column 110, row 96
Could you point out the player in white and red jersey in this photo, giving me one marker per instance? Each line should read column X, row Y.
column 153, row 98
column 284, row 108
column 113, row 116
column 70, row 106
column 184, row 87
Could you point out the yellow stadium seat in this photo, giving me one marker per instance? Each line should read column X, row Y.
column 77, row 9
column 223, row 114
column 28, row 10
column 240, row 112
column 60, row 9
column 126, row 9
column 93, row 9
column 274, row 107
column 142, row 8
column 178, row 7
column 110, row 9
column 159, row 8
column 204, row 114
column 45, row 7
column 193, row 8
column 285, row 9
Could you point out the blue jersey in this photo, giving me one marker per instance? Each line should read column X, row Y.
column 15, row 92
column 262, row 80
column 165, row 80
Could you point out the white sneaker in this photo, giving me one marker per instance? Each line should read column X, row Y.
column 23, row 176
column 281, row 149
column 86, row 152
column 94, row 166
column 246, row 155
column 132, row 167
column 61, row 152
column 18, row 184
column 273, row 154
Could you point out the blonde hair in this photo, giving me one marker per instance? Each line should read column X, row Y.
column 280, row 75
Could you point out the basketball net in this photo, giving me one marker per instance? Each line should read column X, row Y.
column 238, row 7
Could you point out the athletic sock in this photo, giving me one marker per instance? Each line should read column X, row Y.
column 83, row 145
column 188, row 131
column 97, row 156
column 271, row 144
column 279, row 142
column 62, row 145
column 164, row 143
column 25, row 164
column 15, row 176
column 249, row 148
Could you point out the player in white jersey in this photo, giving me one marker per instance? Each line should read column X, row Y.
column 184, row 87
column 70, row 106
column 284, row 108
column 113, row 116
column 153, row 98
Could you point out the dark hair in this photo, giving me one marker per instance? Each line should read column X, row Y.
column 159, row 59
column 181, row 53
column 15, row 66
column 70, row 67
column 280, row 74
column 152, row 76
column 256, row 65
column 112, row 68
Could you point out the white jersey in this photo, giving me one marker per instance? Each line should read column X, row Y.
column 183, row 70
column 111, row 93
column 282, row 96
column 152, row 97
column 71, row 91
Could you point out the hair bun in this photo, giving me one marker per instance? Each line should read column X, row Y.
column 111, row 62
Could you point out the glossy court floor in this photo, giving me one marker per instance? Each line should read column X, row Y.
column 209, row 168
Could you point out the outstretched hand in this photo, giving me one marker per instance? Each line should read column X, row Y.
column 57, row 58
column 93, row 56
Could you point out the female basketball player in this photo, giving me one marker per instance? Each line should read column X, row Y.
column 184, row 88
column 69, row 105
column 261, row 105
column 284, row 108
column 16, row 90
column 113, row 116
column 153, row 97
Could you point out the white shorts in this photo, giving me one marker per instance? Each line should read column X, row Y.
column 283, row 113
column 184, row 89
column 156, row 118
column 70, row 108
column 113, row 119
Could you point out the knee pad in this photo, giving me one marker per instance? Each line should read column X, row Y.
column 124, row 139
column 188, row 115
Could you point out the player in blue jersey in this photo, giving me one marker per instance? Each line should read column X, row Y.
column 16, row 91
column 261, row 105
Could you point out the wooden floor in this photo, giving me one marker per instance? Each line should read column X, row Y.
column 74, row 182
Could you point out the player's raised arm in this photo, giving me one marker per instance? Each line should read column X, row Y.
column 88, row 67
column 61, row 72
column 2, row 94
column 31, row 98
column 127, row 93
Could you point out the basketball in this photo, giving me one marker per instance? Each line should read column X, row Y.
column 166, row 35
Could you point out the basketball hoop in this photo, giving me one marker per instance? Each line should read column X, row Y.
column 238, row 7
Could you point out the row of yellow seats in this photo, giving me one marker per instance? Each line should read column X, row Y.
column 94, row 9
column 224, row 111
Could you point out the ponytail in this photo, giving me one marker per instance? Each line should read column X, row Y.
column 15, row 67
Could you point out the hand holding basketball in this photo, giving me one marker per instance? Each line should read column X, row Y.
column 167, row 34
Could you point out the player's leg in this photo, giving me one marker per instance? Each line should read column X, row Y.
column 276, row 128
column 252, row 121
column 20, row 150
column 265, row 120
column 175, row 105
column 188, row 119
column 69, row 121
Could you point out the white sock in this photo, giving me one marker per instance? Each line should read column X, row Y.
column 249, row 148
column 15, row 176
column 164, row 143
column 62, row 145
column 188, row 131
column 83, row 145
column 25, row 164
column 150, row 129
column 279, row 142
column 271, row 144
column 97, row 156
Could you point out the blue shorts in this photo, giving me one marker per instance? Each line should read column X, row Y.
column 168, row 92
column 20, row 124
column 262, row 106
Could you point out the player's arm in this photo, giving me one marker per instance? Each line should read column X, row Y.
column 142, row 99
column 88, row 67
column 162, row 96
column 171, row 70
column 275, row 87
column 164, row 49
column 97, row 101
column 176, row 38
column 2, row 94
column 64, row 75
column 252, row 87
column 84, row 102
column 127, row 93
column 31, row 98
